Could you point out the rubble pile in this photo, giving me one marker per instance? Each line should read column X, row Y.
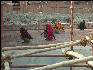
column 18, row 18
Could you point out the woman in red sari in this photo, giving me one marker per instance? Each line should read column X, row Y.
column 49, row 32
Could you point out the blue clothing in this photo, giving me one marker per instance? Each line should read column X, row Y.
column 54, row 33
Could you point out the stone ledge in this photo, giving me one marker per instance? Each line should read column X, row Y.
column 41, row 26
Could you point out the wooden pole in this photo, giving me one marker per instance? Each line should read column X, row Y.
column 1, row 28
column 41, row 65
column 75, row 54
column 44, row 50
column 51, row 55
column 71, row 27
column 92, row 49
column 33, row 47
column 65, row 63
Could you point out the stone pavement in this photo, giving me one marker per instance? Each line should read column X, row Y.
column 12, row 38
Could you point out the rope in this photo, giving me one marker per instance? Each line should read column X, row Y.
column 77, row 55
column 83, row 42
column 86, row 40
column 89, row 66
column 70, row 57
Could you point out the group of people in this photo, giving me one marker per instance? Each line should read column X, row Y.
column 49, row 32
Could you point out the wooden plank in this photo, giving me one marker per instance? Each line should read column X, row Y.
column 32, row 47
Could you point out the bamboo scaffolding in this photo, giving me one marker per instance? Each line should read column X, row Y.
column 33, row 47
column 71, row 27
column 46, row 49
column 77, row 55
column 52, row 55
column 65, row 63
column 88, row 39
column 92, row 48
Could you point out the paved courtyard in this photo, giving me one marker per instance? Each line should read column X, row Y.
column 12, row 38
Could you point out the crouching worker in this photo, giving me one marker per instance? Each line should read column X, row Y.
column 58, row 27
column 25, row 35
column 49, row 32
column 82, row 25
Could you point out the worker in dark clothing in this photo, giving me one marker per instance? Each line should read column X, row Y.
column 82, row 25
column 25, row 35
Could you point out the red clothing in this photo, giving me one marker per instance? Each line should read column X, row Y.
column 50, row 31
column 49, row 27
column 59, row 26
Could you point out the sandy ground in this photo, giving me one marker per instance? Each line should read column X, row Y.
column 12, row 38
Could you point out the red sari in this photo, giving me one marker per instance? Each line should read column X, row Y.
column 50, row 31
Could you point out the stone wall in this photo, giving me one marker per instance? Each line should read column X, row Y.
column 41, row 26
column 51, row 7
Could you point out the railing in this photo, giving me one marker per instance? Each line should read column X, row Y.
column 67, row 53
